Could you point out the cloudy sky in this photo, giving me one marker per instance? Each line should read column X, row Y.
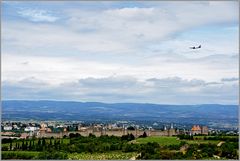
column 121, row 51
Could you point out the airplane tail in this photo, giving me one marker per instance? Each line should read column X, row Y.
column 199, row 46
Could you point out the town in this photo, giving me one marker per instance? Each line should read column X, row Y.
column 116, row 140
column 56, row 129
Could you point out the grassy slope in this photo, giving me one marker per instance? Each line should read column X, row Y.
column 202, row 141
column 162, row 140
column 173, row 140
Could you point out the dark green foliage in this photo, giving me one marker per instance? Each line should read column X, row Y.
column 39, row 142
column 229, row 150
column 130, row 147
column 59, row 148
column 10, row 146
column 52, row 155
column 43, row 142
column 144, row 135
column 6, row 140
column 185, row 137
column 4, row 148
column 131, row 128
column 128, row 137
column 23, row 145
column 149, row 151
column 23, row 155
column 92, row 135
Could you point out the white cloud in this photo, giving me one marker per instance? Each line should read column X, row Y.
column 173, row 90
column 122, row 30
column 56, row 70
column 97, row 47
column 36, row 15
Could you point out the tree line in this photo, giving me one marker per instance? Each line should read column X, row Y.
column 54, row 148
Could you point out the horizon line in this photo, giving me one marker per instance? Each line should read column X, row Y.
column 54, row 100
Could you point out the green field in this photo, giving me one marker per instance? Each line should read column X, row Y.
column 162, row 140
column 202, row 137
column 202, row 141
column 101, row 156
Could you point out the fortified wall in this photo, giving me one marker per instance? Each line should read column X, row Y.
column 115, row 132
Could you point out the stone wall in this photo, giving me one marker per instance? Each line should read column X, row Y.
column 118, row 132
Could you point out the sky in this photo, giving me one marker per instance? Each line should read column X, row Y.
column 121, row 51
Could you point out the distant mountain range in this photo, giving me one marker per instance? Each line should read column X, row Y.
column 68, row 110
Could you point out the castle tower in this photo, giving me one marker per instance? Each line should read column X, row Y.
column 149, row 131
column 136, row 132
column 102, row 131
column 204, row 130
column 123, row 130
column 171, row 131
column 165, row 128
column 171, row 126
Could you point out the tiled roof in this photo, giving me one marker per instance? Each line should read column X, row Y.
column 196, row 128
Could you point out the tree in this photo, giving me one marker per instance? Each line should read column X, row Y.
column 15, row 146
column 10, row 147
column 26, row 146
column 23, row 145
column 52, row 155
column 43, row 142
column 72, row 135
column 30, row 145
column 144, row 134
column 130, row 128
column 77, row 135
column 228, row 150
column 39, row 142
column 131, row 137
column 92, row 135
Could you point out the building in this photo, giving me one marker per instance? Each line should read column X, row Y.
column 16, row 127
column 49, row 130
column 24, row 136
column 165, row 132
column 171, row 131
column 7, row 128
column 196, row 129
column 30, row 128
column 205, row 130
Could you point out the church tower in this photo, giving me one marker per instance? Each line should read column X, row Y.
column 171, row 131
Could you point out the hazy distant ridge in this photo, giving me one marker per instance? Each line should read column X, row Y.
column 67, row 110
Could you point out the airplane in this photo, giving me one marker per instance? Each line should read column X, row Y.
column 198, row 47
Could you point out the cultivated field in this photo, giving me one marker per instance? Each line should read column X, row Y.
column 162, row 140
column 101, row 156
